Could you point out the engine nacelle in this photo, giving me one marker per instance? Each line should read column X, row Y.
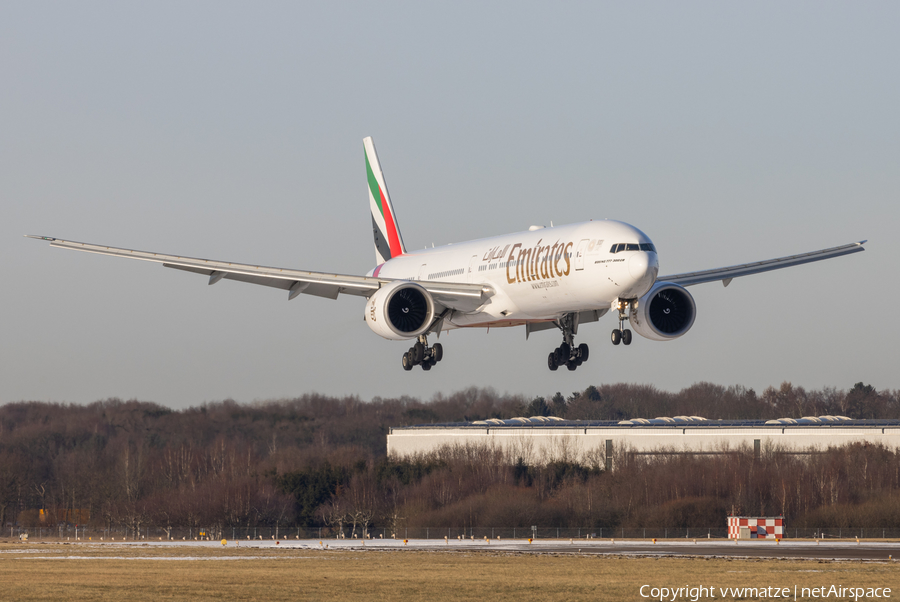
column 666, row 312
column 400, row 310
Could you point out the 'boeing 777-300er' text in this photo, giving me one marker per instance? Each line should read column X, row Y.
column 543, row 278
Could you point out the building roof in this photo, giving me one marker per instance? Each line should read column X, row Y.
column 541, row 422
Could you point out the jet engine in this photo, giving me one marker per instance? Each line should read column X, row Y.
column 400, row 310
column 666, row 312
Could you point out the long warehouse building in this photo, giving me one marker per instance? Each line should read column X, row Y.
column 542, row 439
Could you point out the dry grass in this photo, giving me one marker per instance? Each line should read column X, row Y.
column 115, row 572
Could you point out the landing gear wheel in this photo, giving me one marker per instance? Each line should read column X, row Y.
column 616, row 337
column 583, row 352
column 567, row 354
column 626, row 336
column 421, row 354
column 551, row 361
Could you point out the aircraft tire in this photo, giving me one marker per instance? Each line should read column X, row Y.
column 551, row 361
column 438, row 351
column 583, row 352
column 563, row 353
column 407, row 363
column 626, row 336
column 616, row 337
column 571, row 365
column 427, row 366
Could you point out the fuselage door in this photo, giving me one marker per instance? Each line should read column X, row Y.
column 579, row 254
column 473, row 266
column 423, row 272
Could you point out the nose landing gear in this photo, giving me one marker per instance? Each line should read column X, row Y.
column 622, row 334
column 567, row 354
column 421, row 354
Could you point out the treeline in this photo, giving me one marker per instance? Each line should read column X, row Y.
column 479, row 487
column 320, row 461
column 623, row 401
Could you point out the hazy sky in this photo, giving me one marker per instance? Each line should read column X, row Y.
column 727, row 132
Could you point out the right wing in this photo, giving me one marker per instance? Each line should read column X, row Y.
column 459, row 296
column 746, row 269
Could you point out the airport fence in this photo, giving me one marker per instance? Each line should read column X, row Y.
column 625, row 533
column 118, row 533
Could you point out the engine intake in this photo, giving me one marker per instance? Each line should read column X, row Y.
column 400, row 310
column 666, row 312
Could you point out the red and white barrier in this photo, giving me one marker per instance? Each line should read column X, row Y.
column 756, row 527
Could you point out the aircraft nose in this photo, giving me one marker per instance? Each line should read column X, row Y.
column 638, row 265
column 643, row 267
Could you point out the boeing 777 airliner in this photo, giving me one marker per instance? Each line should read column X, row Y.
column 543, row 278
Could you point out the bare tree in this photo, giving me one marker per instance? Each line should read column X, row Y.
column 334, row 513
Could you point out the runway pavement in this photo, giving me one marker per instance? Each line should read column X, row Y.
column 807, row 549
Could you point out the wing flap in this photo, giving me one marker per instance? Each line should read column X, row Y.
column 746, row 269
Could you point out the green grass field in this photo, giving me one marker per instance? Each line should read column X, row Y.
column 117, row 572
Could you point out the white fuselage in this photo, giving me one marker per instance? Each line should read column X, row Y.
column 539, row 274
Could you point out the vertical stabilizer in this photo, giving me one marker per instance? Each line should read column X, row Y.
column 388, row 242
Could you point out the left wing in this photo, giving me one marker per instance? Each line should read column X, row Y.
column 727, row 274
column 459, row 296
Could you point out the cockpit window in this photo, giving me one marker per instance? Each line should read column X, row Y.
column 632, row 246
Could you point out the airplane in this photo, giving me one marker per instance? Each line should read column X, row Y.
column 542, row 278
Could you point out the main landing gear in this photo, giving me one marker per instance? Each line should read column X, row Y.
column 622, row 334
column 421, row 354
column 567, row 354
